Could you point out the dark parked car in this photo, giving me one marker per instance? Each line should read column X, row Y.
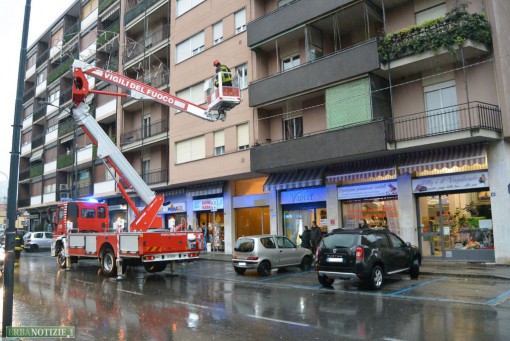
column 368, row 254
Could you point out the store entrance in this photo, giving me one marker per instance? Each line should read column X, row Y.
column 296, row 218
column 456, row 226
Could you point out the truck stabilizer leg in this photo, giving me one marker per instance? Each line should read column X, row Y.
column 119, row 269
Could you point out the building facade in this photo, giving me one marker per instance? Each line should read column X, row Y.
column 391, row 111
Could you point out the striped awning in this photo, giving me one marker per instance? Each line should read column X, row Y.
column 364, row 169
column 36, row 156
column 205, row 189
column 448, row 157
column 302, row 178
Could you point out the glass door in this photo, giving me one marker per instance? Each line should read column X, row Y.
column 434, row 225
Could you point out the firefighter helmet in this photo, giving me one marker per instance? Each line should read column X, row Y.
column 216, row 62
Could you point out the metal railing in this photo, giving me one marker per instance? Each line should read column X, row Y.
column 64, row 161
column 155, row 176
column 39, row 113
column 38, row 140
column 29, row 93
column 104, row 4
column 136, row 48
column 66, row 127
column 24, row 174
column 144, row 132
column 137, row 10
column 72, row 32
column 108, row 34
column 60, row 70
column 36, row 170
column 461, row 117
column 42, row 57
column 66, row 95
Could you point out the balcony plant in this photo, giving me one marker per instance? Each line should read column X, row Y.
column 449, row 31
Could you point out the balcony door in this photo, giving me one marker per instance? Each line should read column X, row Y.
column 441, row 108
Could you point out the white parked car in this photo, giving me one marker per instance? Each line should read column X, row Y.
column 37, row 240
column 266, row 252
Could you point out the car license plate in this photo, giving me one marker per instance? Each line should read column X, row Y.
column 335, row 259
column 241, row 263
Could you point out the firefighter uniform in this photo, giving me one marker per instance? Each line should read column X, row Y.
column 18, row 246
column 226, row 77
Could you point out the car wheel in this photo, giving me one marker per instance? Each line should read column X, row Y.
column 264, row 268
column 324, row 281
column 108, row 263
column 61, row 258
column 34, row 247
column 376, row 278
column 415, row 269
column 306, row 263
column 154, row 267
column 239, row 271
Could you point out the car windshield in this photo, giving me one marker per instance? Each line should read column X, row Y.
column 244, row 245
column 340, row 241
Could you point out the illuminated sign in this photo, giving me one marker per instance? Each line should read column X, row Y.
column 304, row 195
column 208, row 204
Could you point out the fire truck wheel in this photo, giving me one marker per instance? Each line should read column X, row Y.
column 154, row 267
column 108, row 265
column 61, row 258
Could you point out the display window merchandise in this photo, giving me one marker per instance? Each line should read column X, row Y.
column 209, row 214
column 378, row 212
column 295, row 219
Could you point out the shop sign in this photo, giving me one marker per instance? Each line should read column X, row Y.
column 174, row 207
column 451, row 182
column 373, row 190
column 208, row 204
column 303, row 195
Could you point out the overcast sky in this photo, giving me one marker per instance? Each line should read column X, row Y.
column 43, row 14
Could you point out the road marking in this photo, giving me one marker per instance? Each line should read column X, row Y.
column 281, row 321
column 497, row 298
column 79, row 280
column 284, row 276
column 130, row 292
column 193, row 305
column 417, row 286
column 437, row 299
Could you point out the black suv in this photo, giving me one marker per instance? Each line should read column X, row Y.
column 368, row 254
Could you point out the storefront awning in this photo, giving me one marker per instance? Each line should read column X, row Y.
column 448, row 157
column 304, row 178
column 36, row 156
column 205, row 189
column 364, row 169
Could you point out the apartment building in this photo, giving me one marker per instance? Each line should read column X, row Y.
column 391, row 111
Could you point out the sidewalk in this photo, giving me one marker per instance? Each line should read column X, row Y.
column 428, row 267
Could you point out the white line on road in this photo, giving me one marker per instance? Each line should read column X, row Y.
column 193, row 305
column 281, row 321
column 79, row 280
column 130, row 292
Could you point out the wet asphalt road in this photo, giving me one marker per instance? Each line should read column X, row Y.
column 208, row 300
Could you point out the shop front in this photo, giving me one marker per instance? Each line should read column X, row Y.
column 209, row 212
column 301, row 207
column 376, row 203
column 455, row 216
column 174, row 216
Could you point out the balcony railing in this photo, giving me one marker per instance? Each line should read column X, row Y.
column 104, row 4
column 71, row 32
column 467, row 116
column 66, row 95
column 109, row 33
column 154, row 80
column 66, row 127
column 445, row 32
column 42, row 57
column 60, row 70
column 39, row 113
column 137, row 10
column 64, row 161
column 134, row 49
column 144, row 132
column 36, row 171
column 38, row 140
column 23, row 202
column 29, row 93
column 85, row 189
column 156, row 176
column 24, row 174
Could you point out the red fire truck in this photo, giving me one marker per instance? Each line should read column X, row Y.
column 81, row 228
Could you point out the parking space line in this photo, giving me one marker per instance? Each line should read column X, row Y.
column 416, row 286
column 131, row 292
column 438, row 299
column 280, row 321
column 497, row 298
column 193, row 305
column 283, row 276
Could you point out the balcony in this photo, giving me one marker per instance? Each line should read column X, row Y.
column 137, row 48
column 62, row 69
column 84, row 189
column 64, row 161
column 109, row 33
column 476, row 121
column 357, row 60
column 134, row 12
column 317, row 149
column 36, row 171
column 438, row 42
column 71, row 32
column 51, row 134
column 42, row 57
column 149, row 134
column 24, row 174
column 66, row 126
column 156, row 177
column 38, row 140
column 289, row 17
column 104, row 4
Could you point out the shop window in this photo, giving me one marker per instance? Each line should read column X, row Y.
column 377, row 212
column 252, row 221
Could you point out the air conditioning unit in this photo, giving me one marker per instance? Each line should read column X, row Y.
column 63, row 187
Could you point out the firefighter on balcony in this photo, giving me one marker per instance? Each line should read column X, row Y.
column 18, row 246
column 226, row 76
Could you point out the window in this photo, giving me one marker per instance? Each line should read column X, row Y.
column 194, row 94
column 243, row 137
column 88, row 8
column 290, row 62
column 441, row 107
column 285, row 243
column 293, row 128
column 146, row 169
column 396, row 241
column 88, row 213
column 189, row 47
column 190, row 150
column 219, row 142
column 240, row 21
column 56, row 38
column 282, row 3
column 430, row 13
column 182, row 6
column 218, row 32
column 268, row 242
column 41, row 76
column 50, row 188
column 242, row 75
column 101, row 212
column 146, row 126
column 54, row 96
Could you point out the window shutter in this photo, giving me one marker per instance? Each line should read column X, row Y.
column 243, row 135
